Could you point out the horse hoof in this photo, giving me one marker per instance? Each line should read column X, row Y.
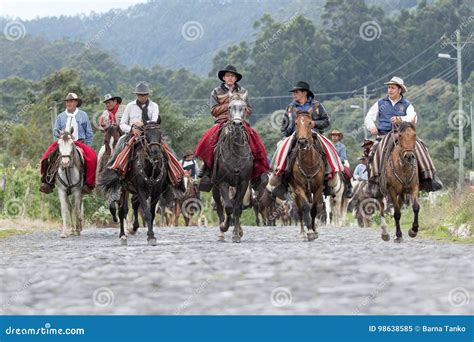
column 76, row 233
column 63, row 235
column 311, row 236
column 132, row 232
column 123, row 241
column 221, row 238
column 386, row 237
column 398, row 240
column 236, row 238
column 412, row 233
column 152, row 242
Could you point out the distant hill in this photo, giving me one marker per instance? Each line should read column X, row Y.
column 181, row 33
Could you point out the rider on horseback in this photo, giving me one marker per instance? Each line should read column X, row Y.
column 303, row 101
column 77, row 123
column 336, row 138
column 219, row 102
column 393, row 110
column 112, row 107
column 137, row 113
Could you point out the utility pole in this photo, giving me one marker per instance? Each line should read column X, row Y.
column 472, row 139
column 460, row 112
column 364, row 97
column 461, row 115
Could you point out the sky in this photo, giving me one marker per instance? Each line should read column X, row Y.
column 30, row 9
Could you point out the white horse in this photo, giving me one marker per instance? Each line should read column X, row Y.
column 337, row 204
column 69, row 181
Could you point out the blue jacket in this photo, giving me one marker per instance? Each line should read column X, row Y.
column 313, row 107
column 387, row 111
column 341, row 150
column 83, row 123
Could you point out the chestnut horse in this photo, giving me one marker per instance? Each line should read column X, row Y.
column 400, row 177
column 308, row 177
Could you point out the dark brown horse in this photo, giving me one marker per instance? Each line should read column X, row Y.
column 189, row 204
column 112, row 135
column 308, row 177
column 400, row 176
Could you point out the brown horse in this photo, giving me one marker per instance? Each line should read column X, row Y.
column 308, row 177
column 400, row 177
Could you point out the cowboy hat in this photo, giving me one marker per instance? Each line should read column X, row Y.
column 229, row 68
column 399, row 82
column 108, row 97
column 188, row 153
column 142, row 88
column 335, row 132
column 367, row 142
column 73, row 96
column 302, row 86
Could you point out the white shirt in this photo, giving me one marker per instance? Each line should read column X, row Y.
column 373, row 114
column 133, row 114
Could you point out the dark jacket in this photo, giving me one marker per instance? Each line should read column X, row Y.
column 313, row 107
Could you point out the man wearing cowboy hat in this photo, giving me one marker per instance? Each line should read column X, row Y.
column 112, row 108
column 137, row 114
column 188, row 163
column 392, row 110
column 219, row 104
column 77, row 121
column 360, row 172
column 336, row 137
column 303, row 101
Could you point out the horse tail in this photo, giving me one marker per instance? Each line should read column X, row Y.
column 109, row 181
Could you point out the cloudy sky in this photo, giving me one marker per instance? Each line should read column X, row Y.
column 30, row 9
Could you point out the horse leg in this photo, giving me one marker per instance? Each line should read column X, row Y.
column 135, row 207
column 77, row 212
column 397, row 201
column 113, row 211
column 383, row 223
column 64, row 212
column 238, row 203
column 304, row 209
column 257, row 219
column 299, row 208
column 416, row 208
column 122, row 212
column 148, row 218
column 153, row 203
column 228, row 206
column 220, row 213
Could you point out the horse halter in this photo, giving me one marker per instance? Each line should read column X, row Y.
column 66, row 136
column 305, row 141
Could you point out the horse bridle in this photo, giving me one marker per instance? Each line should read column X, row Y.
column 151, row 181
column 396, row 142
column 67, row 169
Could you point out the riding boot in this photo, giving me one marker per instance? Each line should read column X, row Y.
column 46, row 187
column 181, row 186
column 258, row 181
column 86, row 189
column 431, row 184
column 205, row 182
column 277, row 187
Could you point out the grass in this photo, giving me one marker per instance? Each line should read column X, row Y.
column 4, row 233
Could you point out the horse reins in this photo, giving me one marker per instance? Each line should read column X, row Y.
column 67, row 170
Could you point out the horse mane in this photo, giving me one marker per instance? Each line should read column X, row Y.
column 404, row 125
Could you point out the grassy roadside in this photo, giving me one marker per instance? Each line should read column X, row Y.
column 11, row 227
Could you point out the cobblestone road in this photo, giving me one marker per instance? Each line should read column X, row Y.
column 345, row 271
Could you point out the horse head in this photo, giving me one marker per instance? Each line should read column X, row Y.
column 153, row 140
column 303, row 124
column 66, row 148
column 237, row 110
column 406, row 141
